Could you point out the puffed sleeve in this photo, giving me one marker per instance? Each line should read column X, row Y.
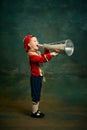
column 40, row 59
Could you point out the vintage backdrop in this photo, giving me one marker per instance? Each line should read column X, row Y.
column 64, row 95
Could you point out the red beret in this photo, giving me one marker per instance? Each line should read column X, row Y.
column 26, row 41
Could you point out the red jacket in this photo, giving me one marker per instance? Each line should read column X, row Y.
column 36, row 59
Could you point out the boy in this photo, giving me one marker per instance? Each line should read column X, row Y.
column 36, row 59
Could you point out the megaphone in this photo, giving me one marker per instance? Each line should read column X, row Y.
column 66, row 45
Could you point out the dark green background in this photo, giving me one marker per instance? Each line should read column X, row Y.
column 49, row 21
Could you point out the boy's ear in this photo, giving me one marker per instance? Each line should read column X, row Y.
column 28, row 44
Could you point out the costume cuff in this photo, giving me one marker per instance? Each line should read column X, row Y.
column 46, row 58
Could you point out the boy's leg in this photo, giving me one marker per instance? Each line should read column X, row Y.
column 35, row 112
column 36, row 85
column 35, row 107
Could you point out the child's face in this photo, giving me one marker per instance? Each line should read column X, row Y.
column 33, row 44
